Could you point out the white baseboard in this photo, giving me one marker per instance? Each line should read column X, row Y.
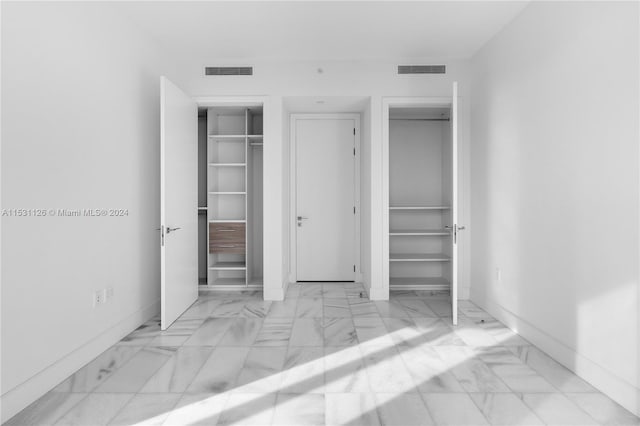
column 276, row 294
column 21, row 396
column 377, row 293
column 598, row 376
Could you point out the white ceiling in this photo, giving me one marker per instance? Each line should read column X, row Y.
column 244, row 31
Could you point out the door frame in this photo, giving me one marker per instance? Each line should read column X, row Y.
column 293, row 246
column 387, row 103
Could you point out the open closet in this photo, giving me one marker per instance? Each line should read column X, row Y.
column 230, row 225
column 420, row 176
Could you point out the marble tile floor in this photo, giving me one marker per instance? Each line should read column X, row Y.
column 324, row 356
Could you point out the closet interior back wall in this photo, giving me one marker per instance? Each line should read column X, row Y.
column 419, row 200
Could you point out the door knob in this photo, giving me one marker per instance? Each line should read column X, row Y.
column 302, row 217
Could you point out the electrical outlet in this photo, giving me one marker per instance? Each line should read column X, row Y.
column 98, row 298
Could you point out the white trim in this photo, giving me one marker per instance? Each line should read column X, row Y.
column 386, row 103
column 598, row 376
column 357, row 277
column 229, row 288
column 18, row 398
column 377, row 293
column 229, row 101
column 293, row 270
column 276, row 294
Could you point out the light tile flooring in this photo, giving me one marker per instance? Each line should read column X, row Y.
column 324, row 356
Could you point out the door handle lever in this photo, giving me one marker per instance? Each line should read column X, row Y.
column 454, row 231
column 169, row 230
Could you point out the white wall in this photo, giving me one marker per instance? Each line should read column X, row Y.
column 274, row 178
column 554, row 172
column 338, row 78
column 370, row 79
column 286, row 199
column 366, row 229
column 89, row 82
column 80, row 129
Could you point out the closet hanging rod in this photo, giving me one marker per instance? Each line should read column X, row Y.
column 420, row 119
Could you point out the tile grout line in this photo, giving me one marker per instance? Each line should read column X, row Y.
column 477, row 351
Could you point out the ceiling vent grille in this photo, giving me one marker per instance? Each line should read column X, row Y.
column 228, row 71
column 422, row 69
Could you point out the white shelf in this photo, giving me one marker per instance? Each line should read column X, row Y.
column 242, row 287
column 419, row 257
column 227, row 221
column 255, row 136
column 227, row 193
column 231, row 282
column 419, row 281
column 228, row 164
column 239, row 138
column 200, row 209
column 228, row 266
column 419, row 207
column 418, row 232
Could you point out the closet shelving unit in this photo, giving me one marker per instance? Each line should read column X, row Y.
column 419, row 199
column 425, row 267
column 234, row 198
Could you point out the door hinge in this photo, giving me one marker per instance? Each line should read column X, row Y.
column 354, row 209
column 354, row 268
column 354, row 131
column 354, row 152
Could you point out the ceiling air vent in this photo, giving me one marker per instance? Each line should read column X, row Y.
column 421, row 69
column 228, row 71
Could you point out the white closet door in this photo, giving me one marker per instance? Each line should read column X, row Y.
column 454, row 204
column 325, row 199
column 178, row 201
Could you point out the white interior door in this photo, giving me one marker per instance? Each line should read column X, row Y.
column 178, row 201
column 454, row 205
column 325, row 199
